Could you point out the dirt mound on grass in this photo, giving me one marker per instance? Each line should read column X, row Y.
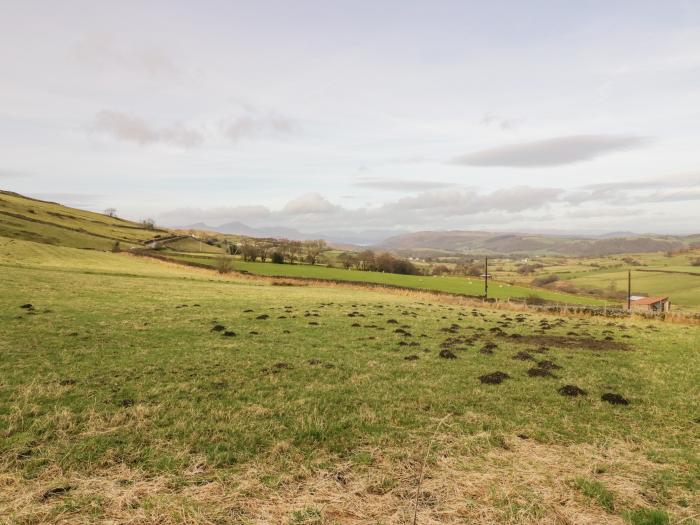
column 446, row 354
column 548, row 365
column 573, row 343
column 494, row 378
column 539, row 372
column 572, row 391
column 614, row 399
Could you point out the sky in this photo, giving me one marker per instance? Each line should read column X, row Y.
column 358, row 115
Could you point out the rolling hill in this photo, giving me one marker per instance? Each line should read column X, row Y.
column 51, row 223
column 478, row 242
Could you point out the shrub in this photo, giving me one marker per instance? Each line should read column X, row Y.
column 545, row 279
column 116, row 248
column 470, row 268
column 525, row 269
column 535, row 299
column 440, row 269
column 695, row 262
column 224, row 264
column 277, row 258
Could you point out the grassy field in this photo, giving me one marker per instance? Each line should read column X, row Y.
column 472, row 286
column 134, row 391
column 34, row 220
column 652, row 274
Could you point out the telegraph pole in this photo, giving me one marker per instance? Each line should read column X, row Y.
column 629, row 289
column 486, row 278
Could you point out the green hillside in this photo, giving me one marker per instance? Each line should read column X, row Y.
column 50, row 223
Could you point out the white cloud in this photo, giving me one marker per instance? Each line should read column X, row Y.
column 310, row 203
column 215, row 216
column 259, row 125
column 123, row 126
column 401, row 185
column 103, row 51
column 551, row 152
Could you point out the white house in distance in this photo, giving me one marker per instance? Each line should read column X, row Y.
column 650, row 304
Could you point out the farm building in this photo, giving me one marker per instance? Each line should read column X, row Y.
column 650, row 304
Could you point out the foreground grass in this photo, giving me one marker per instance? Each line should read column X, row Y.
column 119, row 402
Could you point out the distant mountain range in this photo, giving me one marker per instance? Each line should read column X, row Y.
column 454, row 242
column 475, row 242
column 338, row 237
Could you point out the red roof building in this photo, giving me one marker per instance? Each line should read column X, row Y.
column 651, row 304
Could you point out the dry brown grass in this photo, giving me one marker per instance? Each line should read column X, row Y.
column 483, row 478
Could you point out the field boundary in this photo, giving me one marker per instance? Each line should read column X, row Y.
column 453, row 298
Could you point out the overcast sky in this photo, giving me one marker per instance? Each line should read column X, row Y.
column 333, row 115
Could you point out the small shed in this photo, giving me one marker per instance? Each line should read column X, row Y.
column 651, row 304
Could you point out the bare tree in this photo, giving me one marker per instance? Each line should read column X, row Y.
column 148, row 223
column 249, row 251
column 365, row 260
column 347, row 259
column 265, row 248
column 111, row 212
column 314, row 249
column 292, row 250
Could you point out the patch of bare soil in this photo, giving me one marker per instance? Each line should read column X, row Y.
column 614, row 399
column 494, row 378
column 548, row 365
column 572, row 391
column 539, row 372
column 573, row 343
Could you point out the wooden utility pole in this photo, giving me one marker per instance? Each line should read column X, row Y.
column 629, row 289
column 486, row 277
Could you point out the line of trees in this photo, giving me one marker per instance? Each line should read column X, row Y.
column 383, row 262
column 281, row 250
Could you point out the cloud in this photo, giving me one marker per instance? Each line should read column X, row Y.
column 12, row 174
column 401, row 184
column 686, row 186
column 310, row 203
column 134, row 129
column 215, row 216
column 494, row 120
column 449, row 209
column 551, row 152
column 456, row 203
column 673, row 196
column 105, row 52
column 258, row 125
